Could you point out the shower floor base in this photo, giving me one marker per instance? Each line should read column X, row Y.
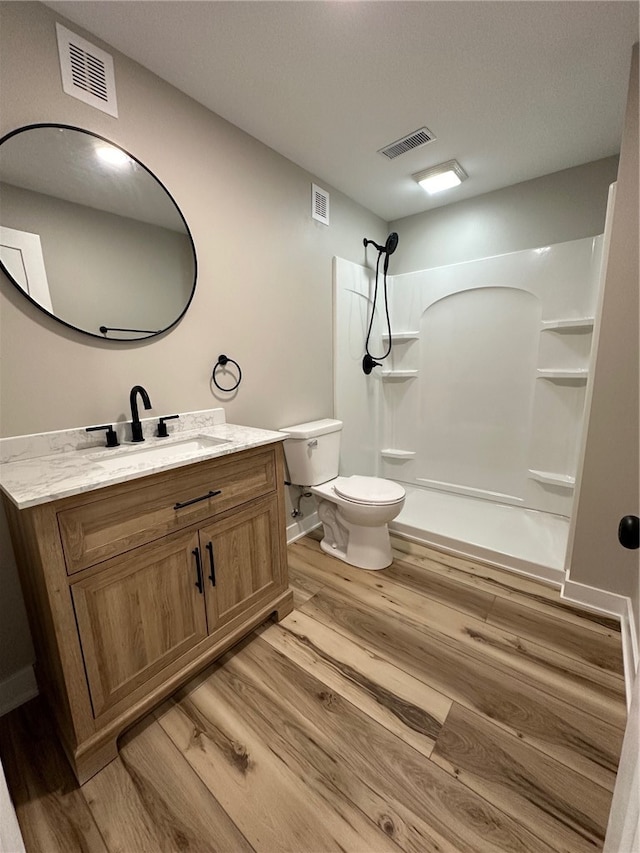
column 512, row 537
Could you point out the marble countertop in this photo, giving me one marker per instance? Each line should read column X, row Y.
column 49, row 466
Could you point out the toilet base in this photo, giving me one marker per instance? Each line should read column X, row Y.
column 366, row 547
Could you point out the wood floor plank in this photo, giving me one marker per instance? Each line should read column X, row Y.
column 595, row 690
column 303, row 587
column 576, row 683
column 150, row 801
column 273, row 808
column 491, row 578
column 501, row 583
column 309, row 559
column 50, row 806
column 468, row 599
column 402, row 704
column 385, row 715
column 586, row 743
column 326, row 739
column 602, row 650
column 556, row 804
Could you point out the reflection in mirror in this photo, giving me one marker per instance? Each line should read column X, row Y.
column 90, row 235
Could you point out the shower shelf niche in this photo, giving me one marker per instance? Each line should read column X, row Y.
column 399, row 374
column 579, row 375
column 401, row 337
column 582, row 324
column 553, row 479
column 393, row 453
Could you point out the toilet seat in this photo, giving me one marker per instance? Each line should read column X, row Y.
column 373, row 491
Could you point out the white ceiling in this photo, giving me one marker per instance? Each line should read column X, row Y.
column 512, row 89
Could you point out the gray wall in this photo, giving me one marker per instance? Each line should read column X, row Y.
column 565, row 205
column 264, row 286
column 264, row 290
column 609, row 482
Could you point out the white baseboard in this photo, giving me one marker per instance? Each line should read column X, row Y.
column 17, row 689
column 301, row 526
column 611, row 604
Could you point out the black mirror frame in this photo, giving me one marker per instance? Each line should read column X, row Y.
column 102, row 337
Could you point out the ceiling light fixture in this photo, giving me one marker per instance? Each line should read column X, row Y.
column 441, row 177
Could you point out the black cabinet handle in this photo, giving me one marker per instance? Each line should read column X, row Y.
column 212, row 576
column 629, row 532
column 199, row 583
column 211, row 494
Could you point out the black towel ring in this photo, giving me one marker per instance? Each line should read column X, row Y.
column 223, row 360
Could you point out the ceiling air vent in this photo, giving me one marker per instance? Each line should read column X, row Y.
column 87, row 71
column 319, row 204
column 407, row 143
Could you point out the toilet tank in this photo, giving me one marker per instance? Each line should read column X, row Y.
column 312, row 451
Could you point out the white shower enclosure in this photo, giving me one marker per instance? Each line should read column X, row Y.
column 478, row 411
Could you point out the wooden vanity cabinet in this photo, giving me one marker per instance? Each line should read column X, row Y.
column 146, row 609
column 133, row 588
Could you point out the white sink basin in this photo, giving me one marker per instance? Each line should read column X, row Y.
column 160, row 452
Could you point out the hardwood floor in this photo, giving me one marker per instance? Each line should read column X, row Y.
column 438, row 706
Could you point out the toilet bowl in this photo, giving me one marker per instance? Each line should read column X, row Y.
column 355, row 510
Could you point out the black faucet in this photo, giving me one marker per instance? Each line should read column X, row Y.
column 136, row 426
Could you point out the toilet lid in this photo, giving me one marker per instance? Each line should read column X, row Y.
column 368, row 490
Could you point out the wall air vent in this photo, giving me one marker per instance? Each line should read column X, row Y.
column 407, row 143
column 319, row 204
column 87, row 71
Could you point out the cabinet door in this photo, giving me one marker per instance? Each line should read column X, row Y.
column 140, row 613
column 242, row 562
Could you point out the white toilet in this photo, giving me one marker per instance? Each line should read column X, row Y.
column 354, row 511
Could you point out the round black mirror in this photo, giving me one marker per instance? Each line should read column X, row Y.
column 90, row 235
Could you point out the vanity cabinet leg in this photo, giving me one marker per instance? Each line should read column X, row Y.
column 92, row 759
column 285, row 606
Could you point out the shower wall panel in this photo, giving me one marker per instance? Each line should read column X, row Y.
column 483, row 393
column 355, row 402
column 477, row 359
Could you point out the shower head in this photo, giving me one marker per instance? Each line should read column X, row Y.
column 392, row 243
column 388, row 249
